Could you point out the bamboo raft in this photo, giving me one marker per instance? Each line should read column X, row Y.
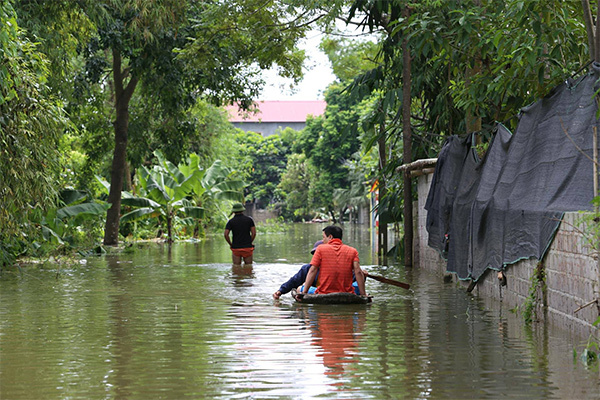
column 332, row 298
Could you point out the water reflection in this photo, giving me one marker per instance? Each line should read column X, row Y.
column 242, row 275
column 119, row 332
column 335, row 331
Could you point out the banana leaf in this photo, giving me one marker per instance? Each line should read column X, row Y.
column 49, row 234
column 170, row 168
column 140, row 202
column 193, row 165
column 230, row 185
column 188, row 221
column 194, row 212
column 140, row 213
column 82, row 209
column 187, row 185
column 70, row 196
column 160, row 185
column 104, row 183
column 217, row 172
column 230, row 195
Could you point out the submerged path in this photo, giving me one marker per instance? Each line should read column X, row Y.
column 177, row 324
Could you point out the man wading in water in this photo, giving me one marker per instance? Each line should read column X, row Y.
column 244, row 232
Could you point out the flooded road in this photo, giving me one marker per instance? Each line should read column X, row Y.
column 182, row 323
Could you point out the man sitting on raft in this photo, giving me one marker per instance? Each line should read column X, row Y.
column 296, row 281
column 335, row 264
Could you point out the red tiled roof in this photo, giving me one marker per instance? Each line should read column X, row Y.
column 278, row 111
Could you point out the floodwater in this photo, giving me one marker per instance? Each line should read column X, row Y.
column 180, row 323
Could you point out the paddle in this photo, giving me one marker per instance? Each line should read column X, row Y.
column 389, row 281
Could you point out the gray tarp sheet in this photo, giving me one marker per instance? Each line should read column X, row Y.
column 493, row 212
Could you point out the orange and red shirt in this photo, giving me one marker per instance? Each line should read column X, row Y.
column 335, row 261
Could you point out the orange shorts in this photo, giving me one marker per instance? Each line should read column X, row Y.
column 245, row 252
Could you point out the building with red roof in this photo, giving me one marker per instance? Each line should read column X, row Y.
column 275, row 115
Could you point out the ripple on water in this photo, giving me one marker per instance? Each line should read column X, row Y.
column 174, row 326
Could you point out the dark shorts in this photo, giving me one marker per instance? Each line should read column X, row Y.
column 245, row 252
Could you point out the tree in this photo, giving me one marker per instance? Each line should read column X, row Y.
column 227, row 41
column 30, row 123
column 166, row 189
column 293, row 189
column 465, row 66
column 352, row 199
column 350, row 58
column 407, row 141
column 219, row 185
column 141, row 39
column 263, row 161
column 327, row 143
column 177, row 51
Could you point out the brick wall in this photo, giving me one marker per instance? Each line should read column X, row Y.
column 570, row 267
column 428, row 258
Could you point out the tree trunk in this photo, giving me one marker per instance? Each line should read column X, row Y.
column 117, row 174
column 169, row 227
column 407, row 151
column 473, row 121
column 597, row 38
column 111, row 232
column 589, row 27
column 332, row 215
column 382, row 189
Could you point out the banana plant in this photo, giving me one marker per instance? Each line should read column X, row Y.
column 168, row 191
column 75, row 207
column 218, row 184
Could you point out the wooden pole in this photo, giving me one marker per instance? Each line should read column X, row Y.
column 407, row 151
column 597, row 38
column 388, row 281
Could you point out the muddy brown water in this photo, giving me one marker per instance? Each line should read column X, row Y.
column 182, row 323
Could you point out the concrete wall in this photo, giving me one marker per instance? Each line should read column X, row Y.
column 268, row 128
column 570, row 267
column 260, row 215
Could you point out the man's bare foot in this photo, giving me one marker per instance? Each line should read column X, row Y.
column 502, row 278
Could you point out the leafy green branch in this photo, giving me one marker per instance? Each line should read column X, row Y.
column 169, row 192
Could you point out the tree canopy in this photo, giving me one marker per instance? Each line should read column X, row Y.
column 98, row 87
column 30, row 122
column 177, row 52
